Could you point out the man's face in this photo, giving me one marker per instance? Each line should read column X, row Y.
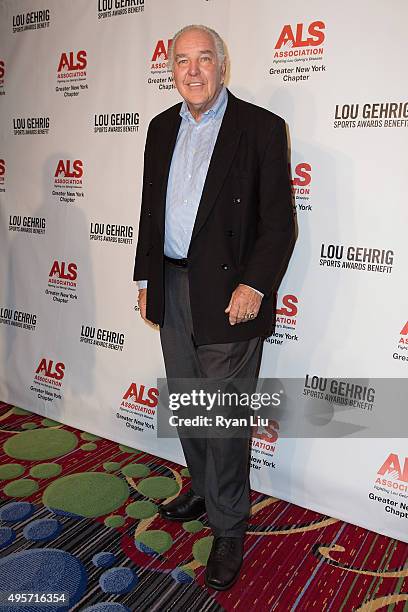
column 198, row 75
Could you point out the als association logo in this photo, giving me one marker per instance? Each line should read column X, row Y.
column 62, row 282
column 366, row 259
column 138, row 407
column 48, row 379
column 299, row 44
column 286, row 320
column 2, row 175
column 50, row 372
column 68, row 181
column 161, row 76
column 393, row 474
column 72, row 69
column 402, row 345
column 69, row 172
column 2, row 77
column 263, row 445
column 391, row 482
column 301, row 186
column 116, row 8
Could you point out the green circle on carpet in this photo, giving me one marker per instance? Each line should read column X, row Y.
column 87, row 494
column 85, row 435
column 141, row 509
column 11, row 471
column 89, row 446
column 158, row 487
column 40, row 444
column 20, row 411
column 21, row 488
column 135, row 470
column 202, row 549
column 158, row 540
column 114, row 521
column 128, row 449
column 29, row 425
column 49, row 423
column 111, row 466
column 46, row 470
column 193, row 526
column 185, row 472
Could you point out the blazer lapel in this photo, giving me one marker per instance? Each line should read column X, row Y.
column 221, row 160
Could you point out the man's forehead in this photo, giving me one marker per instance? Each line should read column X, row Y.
column 181, row 53
column 194, row 40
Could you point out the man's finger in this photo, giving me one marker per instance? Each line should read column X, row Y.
column 238, row 310
column 233, row 313
column 241, row 312
column 228, row 308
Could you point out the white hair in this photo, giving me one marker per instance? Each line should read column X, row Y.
column 218, row 42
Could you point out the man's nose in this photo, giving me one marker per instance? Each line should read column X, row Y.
column 194, row 67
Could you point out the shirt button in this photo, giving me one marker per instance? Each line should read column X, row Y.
column 236, row 200
column 185, row 201
column 225, row 267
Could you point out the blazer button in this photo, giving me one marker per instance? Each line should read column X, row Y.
column 225, row 267
column 236, row 200
column 230, row 233
column 149, row 213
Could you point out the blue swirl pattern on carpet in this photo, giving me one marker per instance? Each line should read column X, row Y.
column 118, row 580
column 16, row 511
column 42, row 530
column 45, row 570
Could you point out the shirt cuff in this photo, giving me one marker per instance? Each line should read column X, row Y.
column 256, row 290
column 142, row 284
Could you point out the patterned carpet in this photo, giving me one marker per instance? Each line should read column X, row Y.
column 78, row 516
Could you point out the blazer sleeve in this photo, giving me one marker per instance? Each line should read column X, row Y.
column 141, row 267
column 276, row 226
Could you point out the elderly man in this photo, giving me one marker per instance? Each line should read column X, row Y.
column 215, row 234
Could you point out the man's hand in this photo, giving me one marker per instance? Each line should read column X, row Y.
column 244, row 305
column 142, row 300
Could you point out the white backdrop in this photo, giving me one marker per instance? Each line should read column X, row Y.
column 79, row 82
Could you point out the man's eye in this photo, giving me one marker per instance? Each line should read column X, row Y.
column 182, row 61
column 205, row 58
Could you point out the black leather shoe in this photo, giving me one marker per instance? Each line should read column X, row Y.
column 186, row 507
column 224, row 562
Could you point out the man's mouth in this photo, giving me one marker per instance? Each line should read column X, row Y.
column 195, row 84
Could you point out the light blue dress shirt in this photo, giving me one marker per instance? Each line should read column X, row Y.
column 189, row 166
column 188, row 170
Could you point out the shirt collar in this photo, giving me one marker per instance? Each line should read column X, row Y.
column 217, row 107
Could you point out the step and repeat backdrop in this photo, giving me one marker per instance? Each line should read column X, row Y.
column 79, row 83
